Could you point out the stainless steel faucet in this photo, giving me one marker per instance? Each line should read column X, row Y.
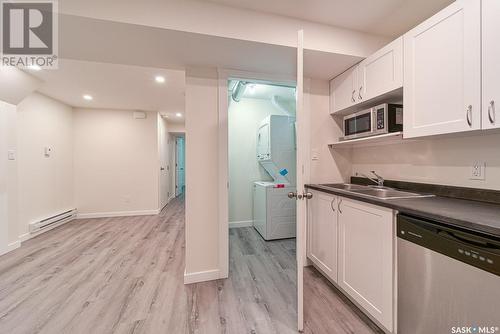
column 379, row 179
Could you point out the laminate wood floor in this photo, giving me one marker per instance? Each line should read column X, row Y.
column 125, row 275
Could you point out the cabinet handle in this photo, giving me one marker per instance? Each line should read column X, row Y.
column 491, row 112
column 331, row 205
column 359, row 94
column 469, row 115
column 352, row 96
column 338, row 206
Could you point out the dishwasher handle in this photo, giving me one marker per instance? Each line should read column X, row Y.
column 470, row 240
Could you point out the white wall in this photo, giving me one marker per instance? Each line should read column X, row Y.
column 116, row 162
column 15, row 84
column 8, row 178
column 45, row 183
column 176, row 127
column 443, row 160
column 330, row 166
column 202, row 225
column 244, row 118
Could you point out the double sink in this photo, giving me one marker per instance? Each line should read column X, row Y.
column 375, row 191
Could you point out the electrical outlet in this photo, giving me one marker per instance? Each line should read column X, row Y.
column 478, row 170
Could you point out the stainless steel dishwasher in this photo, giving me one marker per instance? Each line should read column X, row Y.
column 448, row 279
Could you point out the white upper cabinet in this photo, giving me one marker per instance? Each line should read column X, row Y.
column 377, row 75
column 382, row 72
column 366, row 257
column 343, row 90
column 491, row 63
column 442, row 72
column 322, row 232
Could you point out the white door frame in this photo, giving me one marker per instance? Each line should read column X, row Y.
column 176, row 156
column 223, row 177
column 223, row 191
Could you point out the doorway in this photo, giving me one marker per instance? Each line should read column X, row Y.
column 261, row 130
column 180, row 168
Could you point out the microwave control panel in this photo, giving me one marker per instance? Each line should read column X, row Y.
column 380, row 114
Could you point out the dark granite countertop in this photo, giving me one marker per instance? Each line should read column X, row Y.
column 471, row 215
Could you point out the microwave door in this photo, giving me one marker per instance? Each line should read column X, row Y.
column 358, row 125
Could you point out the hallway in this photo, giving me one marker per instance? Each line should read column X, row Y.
column 125, row 275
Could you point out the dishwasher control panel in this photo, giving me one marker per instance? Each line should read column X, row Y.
column 476, row 249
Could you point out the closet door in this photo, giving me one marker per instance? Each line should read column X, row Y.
column 491, row 64
column 442, row 72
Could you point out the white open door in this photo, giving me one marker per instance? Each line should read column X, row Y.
column 302, row 150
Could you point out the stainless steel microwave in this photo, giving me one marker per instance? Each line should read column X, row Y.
column 384, row 118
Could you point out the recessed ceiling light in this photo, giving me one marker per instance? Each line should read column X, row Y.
column 88, row 97
column 34, row 68
column 178, row 114
column 251, row 89
column 159, row 79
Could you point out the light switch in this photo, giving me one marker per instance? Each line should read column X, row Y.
column 11, row 155
column 314, row 154
column 48, row 151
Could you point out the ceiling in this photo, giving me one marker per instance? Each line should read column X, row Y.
column 114, row 86
column 380, row 17
column 152, row 47
column 266, row 91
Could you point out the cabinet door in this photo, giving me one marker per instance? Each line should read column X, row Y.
column 343, row 90
column 322, row 231
column 382, row 72
column 442, row 67
column 491, row 64
column 366, row 257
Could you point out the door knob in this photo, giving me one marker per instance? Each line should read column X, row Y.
column 308, row 195
column 162, row 168
column 291, row 194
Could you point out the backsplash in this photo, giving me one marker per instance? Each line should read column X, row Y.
column 440, row 160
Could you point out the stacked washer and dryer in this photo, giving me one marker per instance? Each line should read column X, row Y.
column 274, row 214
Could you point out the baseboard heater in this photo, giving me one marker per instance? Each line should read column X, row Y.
column 58, row 219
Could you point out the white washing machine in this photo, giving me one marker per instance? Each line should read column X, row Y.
column 273, row 212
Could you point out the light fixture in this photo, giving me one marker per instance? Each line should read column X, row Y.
column 251, row 89
column 160, row 79
column 34, row 68
column 178, row 114
column 88, row 97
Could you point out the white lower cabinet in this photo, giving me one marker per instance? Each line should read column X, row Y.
column 352, row 243
column 365, row 257
column 322, row 233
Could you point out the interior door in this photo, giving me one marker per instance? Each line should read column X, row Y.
column 164, row 164
column 302, row 150
column 179, row 166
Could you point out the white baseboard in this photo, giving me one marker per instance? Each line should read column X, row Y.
column 201, row 276
column 243, row 223
column 27, row 236
column 10, row 247
column 24, row 237
column 118, row 214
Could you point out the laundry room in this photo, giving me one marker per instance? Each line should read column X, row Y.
column 262, row 171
